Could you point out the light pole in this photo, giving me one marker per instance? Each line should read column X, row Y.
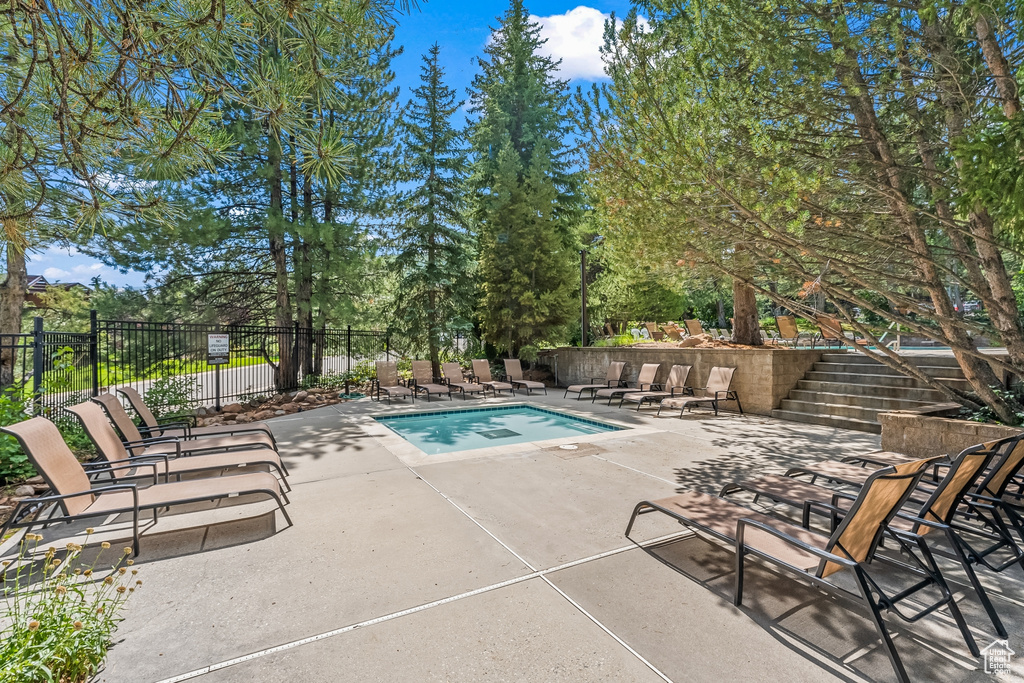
column 583, row 298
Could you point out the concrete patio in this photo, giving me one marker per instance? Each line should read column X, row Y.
column 510, row 566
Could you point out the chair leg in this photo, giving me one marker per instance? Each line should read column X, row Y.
column 876, row 617
column 954, row 608
column 979, row 589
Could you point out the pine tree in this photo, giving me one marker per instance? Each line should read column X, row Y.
column 435, row 253
column 525, row 196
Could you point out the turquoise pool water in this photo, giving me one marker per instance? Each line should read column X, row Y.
column 448, row 431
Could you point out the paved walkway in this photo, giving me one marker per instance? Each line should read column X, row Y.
column 508, row 567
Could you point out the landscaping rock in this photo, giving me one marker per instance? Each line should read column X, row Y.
column 243, row 419
column 233, row 408
column 200, row 412
column 279, row 399
column 35, row 480
column 263, row 415
column 24, row 491
column 39, row 488
column 278, row 413
column 300, row 396
column 291, row 407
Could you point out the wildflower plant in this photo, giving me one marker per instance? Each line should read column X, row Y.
column 58, row 615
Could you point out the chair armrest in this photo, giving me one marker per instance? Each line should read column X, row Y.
column 135, row 462
column 143, row 443
column 745, row 522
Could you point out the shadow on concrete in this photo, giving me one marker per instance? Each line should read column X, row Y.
column 830, row 631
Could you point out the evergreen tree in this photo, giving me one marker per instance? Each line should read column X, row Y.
column 525, row 196
column 434, row 257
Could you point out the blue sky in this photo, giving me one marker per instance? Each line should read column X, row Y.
column 574, row 33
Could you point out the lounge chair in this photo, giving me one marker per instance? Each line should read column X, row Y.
column 674, row 332
column 718, row 389
column 171, row 464
column 830, row 332
column 388, row 382
column 789, row 333
column 948, row 499
column 816, row 557
column 693, row 327
column 455, row 379
column 78, row 499
column 482, row 372
column 514, row 374
column 674, row 385
column 612, row 378
column 652, row 329
column 648, row 373
column 423, row 380
column 153, row 426
column 137, row 444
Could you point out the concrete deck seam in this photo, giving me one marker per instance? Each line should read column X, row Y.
column 419, row 608
column 633, row 469
column 572, row 602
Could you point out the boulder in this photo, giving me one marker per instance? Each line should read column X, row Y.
column 263, row 415
column 315, row 390
column 201, row 412
column 35, row 480
column 300, row 396
column 278, row 399
column 291, row 407
column 233, row 408
column 244, row 418
column 24, row 491
column 278, row 413
column 39, row 488
column 690, row 341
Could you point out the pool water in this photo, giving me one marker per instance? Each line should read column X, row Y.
column 448, row 431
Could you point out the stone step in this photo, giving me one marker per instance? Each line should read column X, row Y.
column 877, row 402
column 906, row 393
column 861, row 359
column 858, row 368
column 829, row 421
column 819, row 407
column 879, row 380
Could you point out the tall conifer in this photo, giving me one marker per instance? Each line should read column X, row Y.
column 436, row 289
column 525, row 195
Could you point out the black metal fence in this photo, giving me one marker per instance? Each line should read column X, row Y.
column 50, row 369
column 262, row 360
column 169, row 360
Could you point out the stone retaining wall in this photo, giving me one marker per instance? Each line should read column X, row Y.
column 763, row 376
column 922, row 435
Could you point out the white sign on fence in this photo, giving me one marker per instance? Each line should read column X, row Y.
column 218, row 351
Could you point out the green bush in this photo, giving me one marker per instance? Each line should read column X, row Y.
column 58, row 616
column 14, row 464
column 172, row 397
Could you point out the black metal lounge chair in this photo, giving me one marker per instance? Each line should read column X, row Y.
column 815, row 557
column 76, row 498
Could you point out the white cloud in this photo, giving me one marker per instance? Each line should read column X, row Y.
column 576, row 38
column 87, row 270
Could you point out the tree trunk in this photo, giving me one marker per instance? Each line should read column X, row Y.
column 304, row 282
column 12, row 300
column 889, row 174
column 285, row 377
column 746, row 326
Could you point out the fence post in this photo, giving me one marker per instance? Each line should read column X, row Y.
column 348, row 356
column 94, row 352
column 216, row 376
column 387, row 345
column 38, row 365
column 295, row 352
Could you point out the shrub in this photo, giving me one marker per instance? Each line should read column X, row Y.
column 14, row 464
column 58, row 616
column 172, row 396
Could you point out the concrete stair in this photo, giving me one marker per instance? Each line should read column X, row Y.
column 848, row 390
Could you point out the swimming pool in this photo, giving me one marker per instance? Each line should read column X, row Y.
column 447, row 431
